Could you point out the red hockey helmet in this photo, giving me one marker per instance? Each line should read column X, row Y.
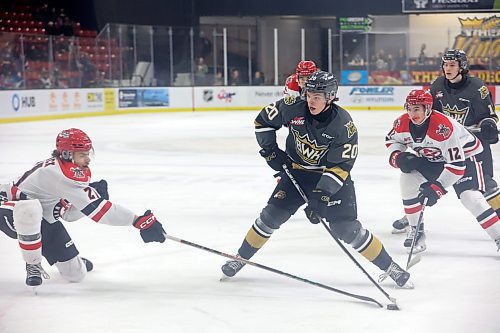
column 420, row 97
column 305, row 68
column 71, row 140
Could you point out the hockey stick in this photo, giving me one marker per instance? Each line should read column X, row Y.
column 270, row 269
column 304, row 197
column 411, row 262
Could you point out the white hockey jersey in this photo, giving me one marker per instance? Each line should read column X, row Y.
column 292, row 87
column 445, row 140
column 52, row 181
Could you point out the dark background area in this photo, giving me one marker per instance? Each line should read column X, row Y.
column 94, row 14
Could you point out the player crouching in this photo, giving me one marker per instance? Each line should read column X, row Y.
column 444, row 156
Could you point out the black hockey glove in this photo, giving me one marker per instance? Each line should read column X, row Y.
column 101, row 187
column 150, row 228
column 315, row 209
column 433, row 191
column 275, row 157
column 489, row 130
column 406, row 162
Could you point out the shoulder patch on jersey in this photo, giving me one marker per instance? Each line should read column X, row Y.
column 289, row 100
column 484, row 92
column 440, row 127
column 402, row 124
column 351, row 129
column 74, row 172
column 443, row 130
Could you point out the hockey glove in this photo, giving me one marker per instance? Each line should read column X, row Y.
column 275, row 157
column 150, row 228
column 489, row 130
column 101, row 187
column 433, row 191
column 405, row 161
column 315, row 209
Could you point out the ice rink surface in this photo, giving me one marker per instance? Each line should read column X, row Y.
column 203, row 177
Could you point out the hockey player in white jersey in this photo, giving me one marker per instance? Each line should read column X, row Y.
column 32, row 207
column 294, row 84
column 444, row 156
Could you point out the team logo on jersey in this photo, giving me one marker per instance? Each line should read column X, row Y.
column 351, row 129
column 439, row 94
column 308, row 149
column 77, row 172
column 458, row 114
column 433, row 154
column 443, row 130
column 280, row 195
column 298, row 121
column 289, row 100
column 484, row 92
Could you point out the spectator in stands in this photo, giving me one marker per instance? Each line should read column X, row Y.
column 235, row 79
column 422, row 57
column 400, row 60
column 87, row 70
column 218, row 79
column 45, row 80
column 391, row 63
column 380, row 64
column 200, row 71
column 258, row 79
column 357, row 60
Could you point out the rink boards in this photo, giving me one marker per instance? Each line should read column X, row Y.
column 27, row 105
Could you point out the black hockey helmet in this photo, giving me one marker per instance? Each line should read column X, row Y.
column 322, row 82
column 459, row 56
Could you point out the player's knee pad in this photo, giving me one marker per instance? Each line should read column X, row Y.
column 27, row 216
column 474, row 202
column 348, row 231
column 273, row 216
column 410, row 184
column 73, row 270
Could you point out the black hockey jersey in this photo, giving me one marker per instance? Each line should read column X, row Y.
column 468, row 101
column 326, row 143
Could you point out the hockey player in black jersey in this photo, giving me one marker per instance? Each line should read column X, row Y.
column 321, row 148
column 467, row 100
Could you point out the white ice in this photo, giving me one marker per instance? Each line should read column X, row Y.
column 203, row 177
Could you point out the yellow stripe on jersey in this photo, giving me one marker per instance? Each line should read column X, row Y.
column 341, row 173
column 373, row 250
column 254, row 239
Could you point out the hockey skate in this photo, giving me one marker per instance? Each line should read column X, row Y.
column 400, row 226
column 230, row 268
column 398, row 275
column 34, row 274
column 420, row 241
